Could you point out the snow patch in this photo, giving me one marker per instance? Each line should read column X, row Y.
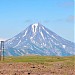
column 31, row 37
column 17, row 44
column 54, row 37
column 51, row 40
column 42, row 35
column 63, row 46
column 25, row 33
column 34, row 27
column 10, row 43
column 26, row 39
column 25, row 46
column 45, row 30
column 19, row 37
column 19, row 51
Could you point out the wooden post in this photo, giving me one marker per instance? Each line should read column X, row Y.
column 2, row 49
column 0, row 53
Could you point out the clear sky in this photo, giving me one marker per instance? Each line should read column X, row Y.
column 57, row 15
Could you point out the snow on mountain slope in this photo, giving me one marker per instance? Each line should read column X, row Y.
column 36, row 39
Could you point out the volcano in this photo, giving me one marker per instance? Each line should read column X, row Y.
column 38, row 40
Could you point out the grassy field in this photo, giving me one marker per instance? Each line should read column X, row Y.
column 39, row 59
column 46, row 60
column 48, row 65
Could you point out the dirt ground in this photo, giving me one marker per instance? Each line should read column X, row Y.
column 25, row 68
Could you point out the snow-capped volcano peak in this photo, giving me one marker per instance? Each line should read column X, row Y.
column 34, row 27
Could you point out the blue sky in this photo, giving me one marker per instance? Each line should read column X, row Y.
column 57, row 15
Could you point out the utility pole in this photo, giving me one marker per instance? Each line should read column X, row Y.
column 2, row 49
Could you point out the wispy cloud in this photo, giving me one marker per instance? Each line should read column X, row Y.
column 46, row 21
column 28, row 21
column 70, row 19
column 2, row 39
column 67, row 4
